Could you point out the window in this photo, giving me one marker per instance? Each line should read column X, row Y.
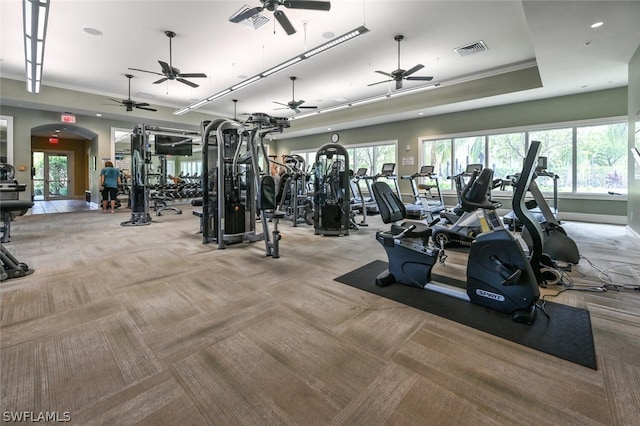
column 602, row 158
column 590, row 158
column 557, row 146
column 309, row 158
column 506, row 152
column 190, row 168
column 468, row 151
column 438, row 154
column 372, row 156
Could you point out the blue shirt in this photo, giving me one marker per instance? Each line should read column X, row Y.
column 111, row 175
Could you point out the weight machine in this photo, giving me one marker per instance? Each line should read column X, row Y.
column 141, row 162
column 235, row 190
column 331, row 198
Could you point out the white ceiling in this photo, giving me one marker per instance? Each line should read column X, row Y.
column 519, row 34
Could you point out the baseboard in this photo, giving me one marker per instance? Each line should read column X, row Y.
column 594, row 218
column 585, row 217
column 633, row 231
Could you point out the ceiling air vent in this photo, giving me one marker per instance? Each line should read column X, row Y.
column 469, row 49
column 254, row 22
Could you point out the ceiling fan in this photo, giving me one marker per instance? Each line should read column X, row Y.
column 130, row 104
column 400, row 74
column 293, row 104
column 272, row 6
column 171, row 73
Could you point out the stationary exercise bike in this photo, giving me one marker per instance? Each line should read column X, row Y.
column 499, row 275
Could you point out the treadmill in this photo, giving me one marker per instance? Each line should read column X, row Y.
column 428, row 203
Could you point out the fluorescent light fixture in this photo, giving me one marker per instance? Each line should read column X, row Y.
column 246, row 82
column 367, row 100
column 330, row 44
column 35, row 17
column 414, row 90
column 336, row 41
column 334, row 108
column 200, row 103
column 282, row 66
column 218, row 95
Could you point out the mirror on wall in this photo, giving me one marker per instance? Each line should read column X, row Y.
column 6, row 139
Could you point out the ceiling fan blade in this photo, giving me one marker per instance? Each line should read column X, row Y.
column 140, row 104
column 275, row 109
column 146, row 109
column 385, row 73
column 314, row 5
column 280, row 103
column 379, row 82
column 284, row 22
column 162, row 80
column 414, row 69
column 193, row 75
column 246, row 14
column 419, row 78
column 116, row 100
column 150, row 72
column 166, row 69
column 308, row 107
column 187, row 82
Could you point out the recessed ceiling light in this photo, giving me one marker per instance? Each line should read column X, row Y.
column 597, row 24
column 92, row 31
column 328, row 35
column 587, row 44
column 242, row 76
column 98, row 115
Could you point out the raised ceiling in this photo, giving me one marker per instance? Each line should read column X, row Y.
column 549, row 41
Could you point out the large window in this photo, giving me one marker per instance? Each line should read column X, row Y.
column 468, row 151
column 557, row 146
column 506, row 152
column 602, row 158
column 370, row 156
column 590, row 158
column 437, row 153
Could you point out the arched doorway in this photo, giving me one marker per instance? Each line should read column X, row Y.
column 60, row 161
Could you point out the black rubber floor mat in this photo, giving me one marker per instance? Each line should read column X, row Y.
column 566, row 334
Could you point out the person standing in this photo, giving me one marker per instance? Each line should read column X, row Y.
column 109, row 181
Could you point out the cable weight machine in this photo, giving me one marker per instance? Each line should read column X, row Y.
column 234, row 190
column 140, row 164
column 331, row 196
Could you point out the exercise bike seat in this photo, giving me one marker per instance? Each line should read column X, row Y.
column 392, row 210
column 421, row 230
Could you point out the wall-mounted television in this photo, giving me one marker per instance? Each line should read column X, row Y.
column 173, row 145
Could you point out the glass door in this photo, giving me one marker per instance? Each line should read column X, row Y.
column 51, row 175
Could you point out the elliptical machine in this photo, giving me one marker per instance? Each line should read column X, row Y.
column 499, row 274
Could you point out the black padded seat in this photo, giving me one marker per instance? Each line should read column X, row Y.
column 392, row 210
column 421, row 230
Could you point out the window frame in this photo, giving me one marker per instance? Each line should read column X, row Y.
column 574, row 125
